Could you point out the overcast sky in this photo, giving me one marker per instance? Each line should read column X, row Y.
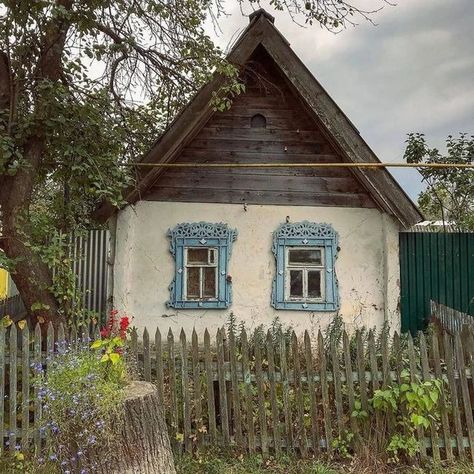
column 414, row 71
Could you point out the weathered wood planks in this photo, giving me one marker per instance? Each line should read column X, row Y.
column 274, row 393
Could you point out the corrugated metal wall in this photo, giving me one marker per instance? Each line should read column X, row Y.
column 435, row 266
column 89, row 255
column 90, row 265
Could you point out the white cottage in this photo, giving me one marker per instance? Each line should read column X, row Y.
column 298, row 243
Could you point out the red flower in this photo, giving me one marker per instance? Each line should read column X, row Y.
column 124, row 323
column 115, row 326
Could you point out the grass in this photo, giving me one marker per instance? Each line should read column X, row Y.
column 215, row 463
column 218, row 462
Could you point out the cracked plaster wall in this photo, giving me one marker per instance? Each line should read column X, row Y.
column 367, row 266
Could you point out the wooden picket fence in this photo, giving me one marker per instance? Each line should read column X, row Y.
column 450, row 319
column 268, row 393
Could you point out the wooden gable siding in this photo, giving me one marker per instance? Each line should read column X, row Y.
column 290, row 136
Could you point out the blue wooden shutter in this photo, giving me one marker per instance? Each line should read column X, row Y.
column 305, row 234
column 206, row 235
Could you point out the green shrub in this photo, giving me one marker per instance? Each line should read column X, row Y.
column 82, row 395
column 413, row 404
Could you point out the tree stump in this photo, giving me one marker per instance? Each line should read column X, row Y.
column 143, row 445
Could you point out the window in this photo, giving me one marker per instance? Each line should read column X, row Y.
column 201, row 273
column 304, row 274
column 305, row 255
column 258, row 121
column 201, row 251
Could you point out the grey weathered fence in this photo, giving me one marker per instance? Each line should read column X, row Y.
column 269, row 393
column 12, row 306
column 449, row 319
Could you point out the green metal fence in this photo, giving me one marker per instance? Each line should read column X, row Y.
column 435, row 266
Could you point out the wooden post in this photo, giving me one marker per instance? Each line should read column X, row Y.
column 454, row 397
column 247, row 392
column 197, row 389
column 146, row 356
column 211, row 407
column 261, row 399
column 413, row 378
column 375, row 376
column 13, row 386
column 336, row 371
column 285, row 390
column 37, row 403
column 465, row 393
column 222, row 388
column 361, row 375
column 2, row 387
column 188, row 445
column 299, row 395
column 236, row 411
column 174, row 418
column 443, row 405
column 25, row 388
column 159, row 367
column 273, row 396
column 426, row 373
column 325, row 393
column 350, row 384
column 315, row 434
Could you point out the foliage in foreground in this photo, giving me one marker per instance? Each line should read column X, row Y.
column 82, row 395
column 388, row 420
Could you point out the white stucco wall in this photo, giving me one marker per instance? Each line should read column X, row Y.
column 367, row 266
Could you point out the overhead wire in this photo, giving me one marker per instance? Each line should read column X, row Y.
column 302, row 165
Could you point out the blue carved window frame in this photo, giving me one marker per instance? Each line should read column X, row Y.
column 201, row 235
column 301, row 235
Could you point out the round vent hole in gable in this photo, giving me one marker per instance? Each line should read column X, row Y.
column 258, row 121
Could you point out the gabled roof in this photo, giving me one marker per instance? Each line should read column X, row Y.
column 339, row 130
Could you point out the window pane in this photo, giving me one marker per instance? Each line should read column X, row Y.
column 193, row 283
column 209, row 282
column 314, row 284
column 296, row 283
column 212, row 256
column 309, row 256
column 198, row 255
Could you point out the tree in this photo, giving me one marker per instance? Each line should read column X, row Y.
column 449, row 195
column 84, row 86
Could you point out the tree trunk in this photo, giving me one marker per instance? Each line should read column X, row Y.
column 31, row 275
column 32, row 278
column 143, row 445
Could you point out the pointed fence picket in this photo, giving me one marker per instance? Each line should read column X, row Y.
column 2, row 387
column 270, row 392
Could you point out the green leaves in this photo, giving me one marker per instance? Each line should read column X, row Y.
column 38, row 306
column 420, row 420
column 448, row 196
column 222, row 99
column 358, row 412
column 414, row 404
column 97, row 344
column 110, row 346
